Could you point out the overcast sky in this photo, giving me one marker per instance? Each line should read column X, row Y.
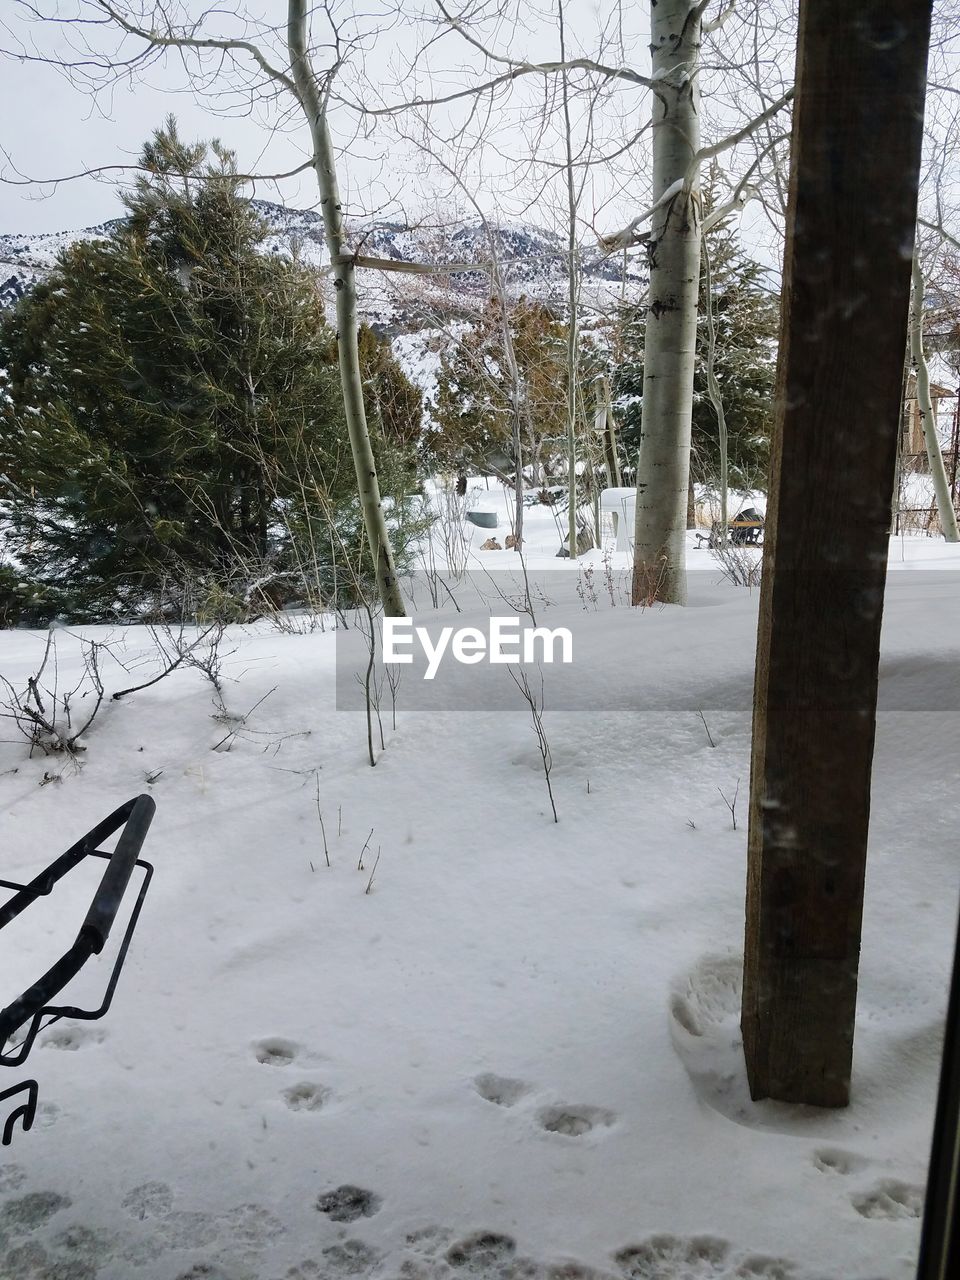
column 50, row 128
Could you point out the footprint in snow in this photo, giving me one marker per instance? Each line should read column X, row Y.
column 189, row 1229
column 305, row 1097
column 833, row 1160
column 30, row 1212
column 251, row 1225
column 48, row 1113
column 12, row 1176
column 31, row 1261
column 276, row 1052
column 575, row 1271
column 149, row 1200
column 574, row 1121
column 667, row 1257
column 482, row 1252
column 208, row 1271
column 71, row 1038
column 77, row 1247
column 347, row 1204
column 503, row 1091
column 890, row 1199
column 351, row 1258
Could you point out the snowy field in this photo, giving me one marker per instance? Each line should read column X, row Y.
column 517, row 1054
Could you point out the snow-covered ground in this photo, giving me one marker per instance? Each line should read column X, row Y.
column 517, row 1055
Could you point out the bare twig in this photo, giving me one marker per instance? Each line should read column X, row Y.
column 534, row 701
column 326, row 851
column 373, row 872
column 732, row 804
column 366, row 846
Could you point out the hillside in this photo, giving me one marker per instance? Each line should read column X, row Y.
column 533, row 261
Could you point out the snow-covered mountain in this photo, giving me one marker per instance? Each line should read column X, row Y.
column 533, row 261
column 25, row 259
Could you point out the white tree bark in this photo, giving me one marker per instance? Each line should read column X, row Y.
column 671, row 320
column 938, row 472
column 345, row 285
column 573, row 302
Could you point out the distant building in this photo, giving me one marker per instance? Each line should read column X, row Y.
column 944, row 411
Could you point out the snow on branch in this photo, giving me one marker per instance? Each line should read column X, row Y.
column 743, row 192
column 627, row 236
column 716, row 23
column 740, row 198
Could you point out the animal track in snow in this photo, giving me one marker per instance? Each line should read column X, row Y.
column 251, row 1225
column 890, row 1199
column 149, row 1200
column 709, row 996
column 206, row 1271
column 484, row 1252
column 188, row 1229
column 351, row 1258
column 705, row 1031
column 347, row 1204
column 31, row 1211
column 77, row 1244
column 83, row 1244
column 501, row 1090
column 574, row 1121
column 574, row 1271
column 428, row 1239
column 305, row 1096
column 32, row 1262
column 833, row 1160
column 760, row 1267
column 275, row 1051
column 666, row 1257
column 71, row 1037
column 47, row 1114
column 12, row 1176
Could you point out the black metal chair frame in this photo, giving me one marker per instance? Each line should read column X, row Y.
column 740, row 533
column 33, row 1010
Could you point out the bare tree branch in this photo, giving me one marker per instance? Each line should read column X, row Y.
column 708, row 153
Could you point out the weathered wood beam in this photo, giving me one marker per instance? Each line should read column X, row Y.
column 855, row 160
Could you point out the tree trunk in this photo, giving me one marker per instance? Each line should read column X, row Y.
column 852, row 214
column 607, row 427
column 713, row 390
column 901, row 433
column 573, row 303
column 671, row 318
column 345, row 284
column 938, row 472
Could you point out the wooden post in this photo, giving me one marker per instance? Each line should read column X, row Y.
column 855, row 160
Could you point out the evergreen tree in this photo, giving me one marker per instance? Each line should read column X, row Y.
column 746, row 318
column 392, row 399
column 472, row 416
column 169, row 407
